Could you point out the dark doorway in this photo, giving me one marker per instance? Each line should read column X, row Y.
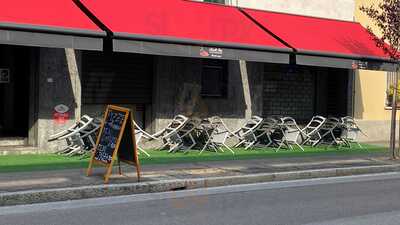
column 14, row 91
column 332, row 92
column 337, row 92
column 304, row 91
column 289, row 91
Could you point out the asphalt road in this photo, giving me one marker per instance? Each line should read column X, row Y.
column 364, row 200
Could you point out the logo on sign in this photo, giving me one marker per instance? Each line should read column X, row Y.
column 362, row 65
column 211, row 52
column 61, row 114
column 204, row 52
column 359, row 65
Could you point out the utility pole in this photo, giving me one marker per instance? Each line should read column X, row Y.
column 393, row 119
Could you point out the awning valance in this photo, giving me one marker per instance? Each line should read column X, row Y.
column 48, row 23
column 187, row 29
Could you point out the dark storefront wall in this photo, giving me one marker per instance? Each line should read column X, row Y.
column 117, row 78
column 179, row 87
column 275, row 90
column 302, row 92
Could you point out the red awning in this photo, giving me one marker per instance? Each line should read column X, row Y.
column 322, row 42
column 185, row 28
column 48, row 23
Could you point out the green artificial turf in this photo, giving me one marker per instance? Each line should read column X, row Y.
column 162, row 157
column 26, row 163
column 43, row 162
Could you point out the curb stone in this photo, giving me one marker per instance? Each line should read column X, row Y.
column 96, row 191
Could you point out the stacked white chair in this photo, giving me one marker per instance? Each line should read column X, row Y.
column 217, row 134
column 291, row 134
column 350, row 131
column 265, row 131
column 327, row 132
column 80, row 137
column 310, row 133
column 184, row 137
column 246, row 134
column 141, row 134
column 177, row 133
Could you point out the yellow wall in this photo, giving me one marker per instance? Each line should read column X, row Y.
column 362, row 18
column 370, row 95
column 370, row 86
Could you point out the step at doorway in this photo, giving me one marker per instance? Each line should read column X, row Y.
column 13, row 141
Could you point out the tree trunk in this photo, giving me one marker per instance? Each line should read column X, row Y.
column 393, row 120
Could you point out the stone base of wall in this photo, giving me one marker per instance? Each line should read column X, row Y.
column 376, row 130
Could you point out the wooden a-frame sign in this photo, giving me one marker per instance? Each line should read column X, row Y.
column 116, row 140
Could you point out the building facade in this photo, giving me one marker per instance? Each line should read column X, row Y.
column 340, row 10
column 159, row 87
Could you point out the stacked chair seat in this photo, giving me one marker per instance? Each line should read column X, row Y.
column 246, row 133
column 310, row 133
column 217, row 134
column 80, row 137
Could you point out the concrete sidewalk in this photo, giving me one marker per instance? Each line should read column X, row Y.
column 31, row 187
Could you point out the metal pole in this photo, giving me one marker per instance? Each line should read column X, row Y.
column 393, row 119
column 396, row 151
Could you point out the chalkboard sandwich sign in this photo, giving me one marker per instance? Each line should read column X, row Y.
column 115, row 141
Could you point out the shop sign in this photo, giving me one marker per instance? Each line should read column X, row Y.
column 361, row 65
column 4, row 76
column 211, row 52
column 61, row 114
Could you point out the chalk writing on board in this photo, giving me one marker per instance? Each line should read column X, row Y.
column 108, row 139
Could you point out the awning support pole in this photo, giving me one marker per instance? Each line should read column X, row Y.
column 397, row 150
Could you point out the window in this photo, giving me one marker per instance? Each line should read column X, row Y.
column 214, row 78
column 391, row 78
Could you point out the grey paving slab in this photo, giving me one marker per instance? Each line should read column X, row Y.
column 25, row 181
